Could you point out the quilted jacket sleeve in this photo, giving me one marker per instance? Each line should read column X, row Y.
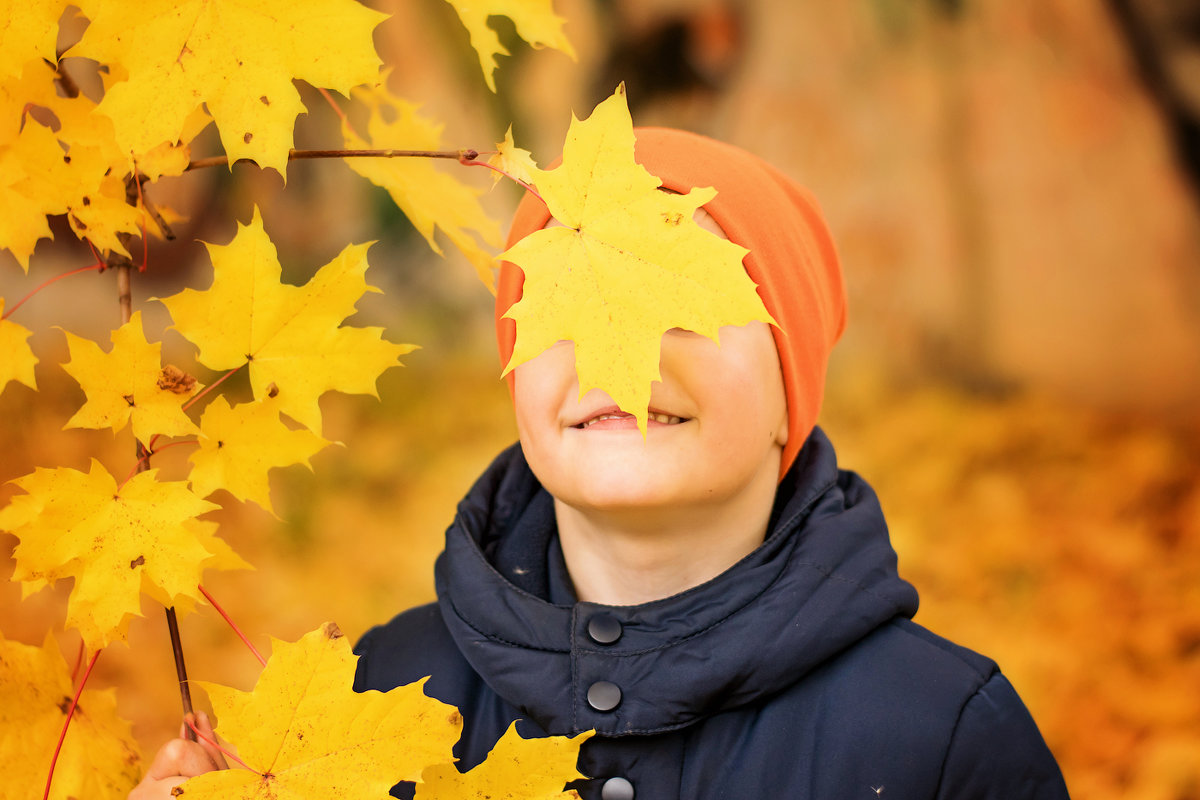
column 997, row 752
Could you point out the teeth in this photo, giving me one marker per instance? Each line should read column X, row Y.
column 665, row 419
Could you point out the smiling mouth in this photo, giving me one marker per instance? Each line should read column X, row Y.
column 662, row 419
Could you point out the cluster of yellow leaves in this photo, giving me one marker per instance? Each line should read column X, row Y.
column 627, row 264
column 99, row 758
column 166, row 67
column 145, row 535
column 303, row 732
column 427, row 196
column 534, row 20
column 236, row 58
column 57, row 157
column 114, row 541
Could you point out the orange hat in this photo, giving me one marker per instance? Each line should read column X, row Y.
column 791, row 258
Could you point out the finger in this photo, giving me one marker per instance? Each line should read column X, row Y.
column 181, row 757
column 204, row 726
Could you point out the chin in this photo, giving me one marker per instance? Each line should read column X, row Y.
column 601, row 485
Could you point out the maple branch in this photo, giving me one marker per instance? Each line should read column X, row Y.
column 125, row 299
column 233, row 625
column 190, row 719
column 141, row 203
column 151, row 209
column 66, row 722
column 466, row 155
column 185, row 692
column 100, row 265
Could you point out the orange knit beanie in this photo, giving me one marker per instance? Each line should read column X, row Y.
column 792, row 258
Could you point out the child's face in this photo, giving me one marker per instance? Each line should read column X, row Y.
column 724, row 427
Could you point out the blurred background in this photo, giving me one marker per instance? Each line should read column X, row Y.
column 1014, row 186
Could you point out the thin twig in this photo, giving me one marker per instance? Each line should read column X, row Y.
column 233, row 625
column 185, row 692
column 125, row 299
column 141, row 203
column 66, row 722
column 295, row 155
column 166, row 230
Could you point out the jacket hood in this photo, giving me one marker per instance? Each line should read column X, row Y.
column 824, row 578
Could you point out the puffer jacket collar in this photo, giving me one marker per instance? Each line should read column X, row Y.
column 824, row 578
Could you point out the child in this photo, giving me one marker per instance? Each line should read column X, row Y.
column 717, row 601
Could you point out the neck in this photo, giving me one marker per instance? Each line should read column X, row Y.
column 635, row 556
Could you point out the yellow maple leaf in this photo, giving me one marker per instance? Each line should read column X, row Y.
column 515, row 769
column 628, row 264
column 428, row 197
column 289, row 335
column 238, row 57
column 306, row 733
column 19, row 359
column 110, row 539
column 99, row 758
column 28, row 31
column 515, row 162
column 534, row 20
column 129, row 384
column 240, row 444
column 87, row 182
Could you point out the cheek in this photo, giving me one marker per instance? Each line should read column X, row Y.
column 540, row 386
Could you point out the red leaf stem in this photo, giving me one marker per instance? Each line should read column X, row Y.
column 192, row 400
column 98, row 266
column 191, row 723
column 529, row 187
column 236, row 629
column 66, row 722
column 208, row 389
column 333, row 103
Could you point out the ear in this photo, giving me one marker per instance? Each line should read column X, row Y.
column 782, row 430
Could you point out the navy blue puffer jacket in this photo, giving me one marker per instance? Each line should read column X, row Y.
column 797, row 673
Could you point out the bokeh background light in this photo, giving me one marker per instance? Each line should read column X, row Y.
column 1014, row 187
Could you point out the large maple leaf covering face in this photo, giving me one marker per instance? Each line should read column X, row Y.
column 238, row 58
column 628, row 264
